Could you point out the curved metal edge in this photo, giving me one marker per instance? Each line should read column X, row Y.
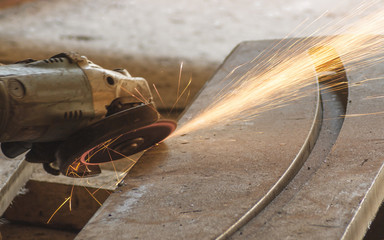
column 288, row 175
column 367, row 210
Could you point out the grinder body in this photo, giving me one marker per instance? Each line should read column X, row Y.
column 49, row 100
column 65, row 106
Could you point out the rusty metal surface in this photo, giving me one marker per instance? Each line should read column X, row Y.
column 197, row 185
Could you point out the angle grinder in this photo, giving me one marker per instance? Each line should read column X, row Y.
column 72, row 115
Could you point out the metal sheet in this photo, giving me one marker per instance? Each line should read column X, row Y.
column 344, row 191
column 197, row 185
column 14, row 173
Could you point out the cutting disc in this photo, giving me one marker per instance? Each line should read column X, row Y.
column 111, row 129
column 129, row 143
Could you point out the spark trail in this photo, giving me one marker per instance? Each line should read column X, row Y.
column 274, row 81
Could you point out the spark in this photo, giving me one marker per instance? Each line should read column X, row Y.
column 113, row 164
column 179, row 80
column 142, row 97
column 363, row 114
column 65, row 201
column 158, row 94
column 187, row 98
column 273, row 80
column 92, row 195
column 70, row 196
column 182, row 93
column 276, row 77
column 373, row 97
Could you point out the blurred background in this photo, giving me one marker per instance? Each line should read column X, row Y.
column 151, row 38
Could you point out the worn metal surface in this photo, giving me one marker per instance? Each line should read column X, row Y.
column 197, row 185
column 39, row 200
column 343, row 194
column 28, row 232
column 14, row 173
column 344, row 190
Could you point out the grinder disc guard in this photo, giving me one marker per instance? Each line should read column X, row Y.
column 129, row 143
column 114, row 137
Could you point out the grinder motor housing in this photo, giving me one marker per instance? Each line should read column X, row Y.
column 50, row 99
column 45, row 103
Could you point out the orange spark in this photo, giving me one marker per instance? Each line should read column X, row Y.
column 276, row 80
column 93, row 196
column 182, row 93
column 179, row 80
column 158, row 94
column 66, row 200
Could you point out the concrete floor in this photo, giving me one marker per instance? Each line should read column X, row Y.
column 202, row 31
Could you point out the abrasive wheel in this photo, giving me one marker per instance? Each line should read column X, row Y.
column 129, row 143
column 120, row 134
